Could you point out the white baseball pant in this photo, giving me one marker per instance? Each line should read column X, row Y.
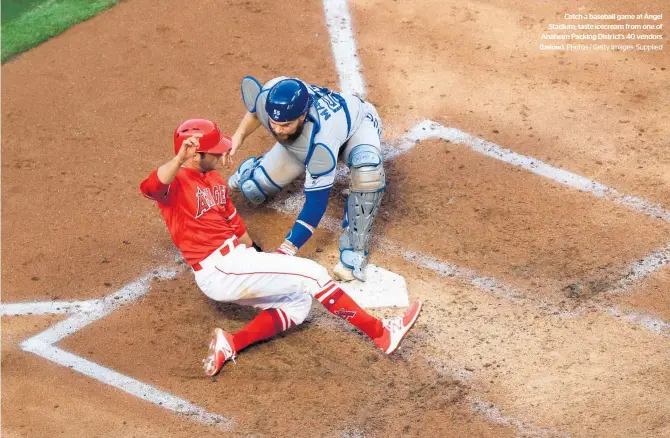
column 262, row 280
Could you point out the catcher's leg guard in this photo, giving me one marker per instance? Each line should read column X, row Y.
column 366, row 190
column 261, row 179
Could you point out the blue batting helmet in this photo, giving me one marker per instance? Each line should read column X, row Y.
column 287, row 100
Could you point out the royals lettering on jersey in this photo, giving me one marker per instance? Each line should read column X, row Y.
column 197, row 211
column 326, row 102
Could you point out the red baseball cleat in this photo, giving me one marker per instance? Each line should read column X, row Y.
column 395, row 329
column 220, row 350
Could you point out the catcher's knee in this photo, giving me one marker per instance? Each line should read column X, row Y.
column 367, row 169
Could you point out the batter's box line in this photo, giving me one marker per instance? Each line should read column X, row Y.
column 428, row 129
column 493, row 414
column 85, row 313
column 639, row 270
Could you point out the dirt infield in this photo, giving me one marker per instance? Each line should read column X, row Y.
column 553, row 348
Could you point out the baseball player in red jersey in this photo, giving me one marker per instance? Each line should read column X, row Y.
column 212, row 237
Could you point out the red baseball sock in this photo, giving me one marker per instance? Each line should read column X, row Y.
column 265, row 325
column 339, row 303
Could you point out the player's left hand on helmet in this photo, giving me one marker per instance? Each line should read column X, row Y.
column 286, row 248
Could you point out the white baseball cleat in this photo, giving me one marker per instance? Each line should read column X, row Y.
column 395, row 329
column 220, row 350
column 343, row 273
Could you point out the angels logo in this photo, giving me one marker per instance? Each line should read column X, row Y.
column 345, row 314
column 206, row 198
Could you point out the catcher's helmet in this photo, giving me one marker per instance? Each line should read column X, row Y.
column 287, row 100
column 209, row 135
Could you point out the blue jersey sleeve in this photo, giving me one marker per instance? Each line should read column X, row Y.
column 312, row 211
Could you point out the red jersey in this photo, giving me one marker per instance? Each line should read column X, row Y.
column 197, row 211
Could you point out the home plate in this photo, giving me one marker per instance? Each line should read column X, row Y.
column 381, row 289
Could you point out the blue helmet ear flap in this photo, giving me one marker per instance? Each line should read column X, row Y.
column 287, row 100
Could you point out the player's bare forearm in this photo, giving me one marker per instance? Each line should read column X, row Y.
column 168, row 171
column 248, row 125
column 246, row 240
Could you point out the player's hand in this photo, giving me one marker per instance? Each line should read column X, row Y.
column 188, row 148
column 237, row 141
column 245, row 239
column 286, row 248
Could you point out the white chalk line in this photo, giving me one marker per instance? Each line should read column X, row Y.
column 493, row 414
column 49, row 307
column 636, row 271
column 500, row 289
column 127, row 384
column 641, row 269
column 86, row 312
column 343, row 43
column 429, row 129
column 651, row 323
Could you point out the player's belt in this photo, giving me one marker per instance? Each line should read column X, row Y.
column 224, row 250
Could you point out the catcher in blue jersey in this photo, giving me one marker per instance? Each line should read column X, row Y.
column 314, row 126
